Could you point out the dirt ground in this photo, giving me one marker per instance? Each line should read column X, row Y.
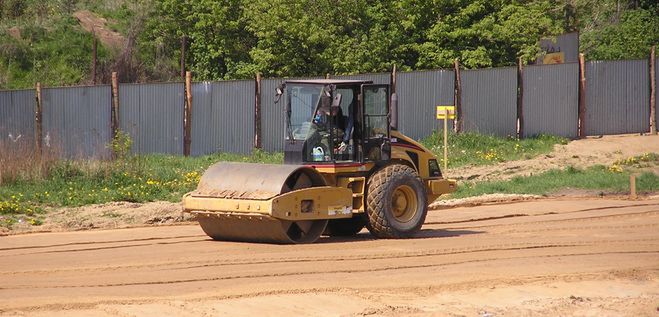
column 558, row 257
column 93, row 23
column 579, row 153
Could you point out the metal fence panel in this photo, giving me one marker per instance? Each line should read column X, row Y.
column 617, row 97
column 129, row 113
column 222, row 117
column 418, row 95
column 489, row 101
column 551, row 100
column 17, row 118
column 76, row 121
column 153, row 115
column 376, row 78
column 272, row 116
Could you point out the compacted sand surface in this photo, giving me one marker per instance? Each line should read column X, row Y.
column 556, row 257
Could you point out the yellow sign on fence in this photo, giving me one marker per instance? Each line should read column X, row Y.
column 443, row 110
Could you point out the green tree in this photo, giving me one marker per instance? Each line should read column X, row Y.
column 218, row 42
column 637, row 31
column 484, row 33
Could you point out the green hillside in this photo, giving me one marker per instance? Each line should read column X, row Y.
column 44, row 40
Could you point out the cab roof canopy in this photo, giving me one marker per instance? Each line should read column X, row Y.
column 328, row 81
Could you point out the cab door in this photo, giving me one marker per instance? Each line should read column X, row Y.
column 375, row 105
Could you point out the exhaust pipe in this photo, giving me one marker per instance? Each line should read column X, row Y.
column 393, row 112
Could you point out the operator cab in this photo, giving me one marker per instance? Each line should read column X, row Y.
column 335, row 121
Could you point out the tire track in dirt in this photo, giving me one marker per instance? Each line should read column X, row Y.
column 596, row 227
column 591, row 218
column 603, row 275
column 349, row 270
column 115, row 247
column 537, row 215
column 224, row 262
column 340, row 258
column 96, row 242
column 497, row 229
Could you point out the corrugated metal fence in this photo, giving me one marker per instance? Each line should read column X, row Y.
column 418, row 95
column 17, row 118
column 551, row 100
column 617, row 97
column 152, row 114
column 76, row 120
column 222, row 117
column 376, row 78
column 272, row 116
column 489, row 101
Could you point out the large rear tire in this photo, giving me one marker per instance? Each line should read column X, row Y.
column 346, row 227
column 396, row 202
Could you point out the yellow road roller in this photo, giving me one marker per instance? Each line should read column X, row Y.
column 346, row 167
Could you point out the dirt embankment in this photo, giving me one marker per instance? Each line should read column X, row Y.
column 579, row 153
column 112, row 215
column 98, row 25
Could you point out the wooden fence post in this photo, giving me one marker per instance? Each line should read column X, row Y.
column 114, row 112
column 653, row 93
column 38, row 119
column 582, row 96
column 457, row 97
column 520, row 98
column 257, row 112
column 187, row 111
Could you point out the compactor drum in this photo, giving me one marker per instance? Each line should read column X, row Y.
column 346, row 167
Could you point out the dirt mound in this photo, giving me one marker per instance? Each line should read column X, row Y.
column 580, row 153
column 93, row 23
column 108, row 216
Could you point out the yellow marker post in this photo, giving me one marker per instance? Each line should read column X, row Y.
column 445, row 113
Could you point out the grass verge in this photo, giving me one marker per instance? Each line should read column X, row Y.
column 471, row 148
column 134, row 179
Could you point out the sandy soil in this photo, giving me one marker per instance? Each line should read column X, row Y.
column 106, row 216
column 582, row 257
column 579, row 153
column 93, row 23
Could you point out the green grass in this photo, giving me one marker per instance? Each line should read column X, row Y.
column 599, row 178
column 143, row 179
column 477, row 149
column 57, row 53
